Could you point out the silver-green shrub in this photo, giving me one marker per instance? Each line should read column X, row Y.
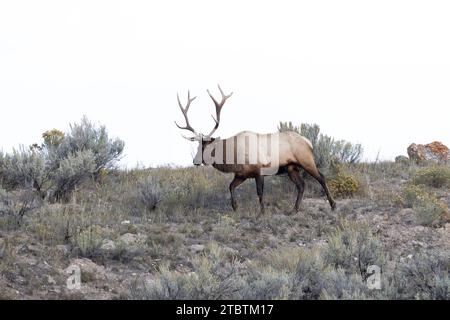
column 85, row 136
column 213, row 277
column 150, row 193
column 266, row 284
column 353, row 247
column 424, row 276
column 62, row 162
column 325, row 148
column 26, row 168
column 14, row 205
column 72, row 170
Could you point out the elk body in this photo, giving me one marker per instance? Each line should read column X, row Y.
column 250, row 155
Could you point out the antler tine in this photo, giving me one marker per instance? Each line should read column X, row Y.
column 188, row 103
column 218, row 108
column 188, row 138
column 224, row 97
column 185, row 111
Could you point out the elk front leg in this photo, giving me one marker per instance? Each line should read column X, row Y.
column 236, row 182
column 316, row 174
column 323, row 183
column 260, row 191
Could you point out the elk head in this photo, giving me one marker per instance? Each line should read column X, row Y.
column 203, row 140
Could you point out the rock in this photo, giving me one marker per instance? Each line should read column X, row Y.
column 230, row 251
column 108, row 245
column 417, row 243
column 197, row 248
column 30, row 248
column 50, row 280
column 435, row 152
column 132, row 242
column 402, row 160
column 127, row 227
column 62, row 249
column 89, row 269
column 446, row 216
column 129, row 238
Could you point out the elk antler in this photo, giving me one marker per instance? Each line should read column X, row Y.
column 185, row 111
column 218, row 109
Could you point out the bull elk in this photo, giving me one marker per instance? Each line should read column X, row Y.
column 253, row 155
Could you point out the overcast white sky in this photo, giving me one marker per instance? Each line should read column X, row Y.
column 374, row 72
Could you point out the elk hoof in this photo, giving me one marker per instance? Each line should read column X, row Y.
column 333, row 206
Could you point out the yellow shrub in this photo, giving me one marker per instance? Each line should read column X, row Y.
column 53, row 137
column 343, row 185
column 102, row 175
column 412, row 195
column 428, row 209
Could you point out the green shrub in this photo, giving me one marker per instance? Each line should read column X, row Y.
column 73, row 170
column 88, row 241
column 192, row 188
column 283, row 258
column 308, row 280
column 413, row 195
column 266, row 283
column 24, row 168
column 136, row 192
column 169, row 285
column 14, row 205
column 325, row 148
column 85, row 136
column 424, row 276
column 338, row 285
column 213, row 277
column 150, row 193
column 430, row 213
column 62, row 162
column 55, row 224
column 352, row 247
column 435, row 176
column 318, row 277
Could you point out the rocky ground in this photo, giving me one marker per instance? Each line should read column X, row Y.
column 128, row 249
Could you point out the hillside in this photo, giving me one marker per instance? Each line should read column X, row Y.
column 170, row 233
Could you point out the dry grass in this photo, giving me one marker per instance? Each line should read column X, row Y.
column 171, row 233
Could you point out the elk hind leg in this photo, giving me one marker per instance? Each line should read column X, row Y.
column 295, row 177
column 260, row 191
